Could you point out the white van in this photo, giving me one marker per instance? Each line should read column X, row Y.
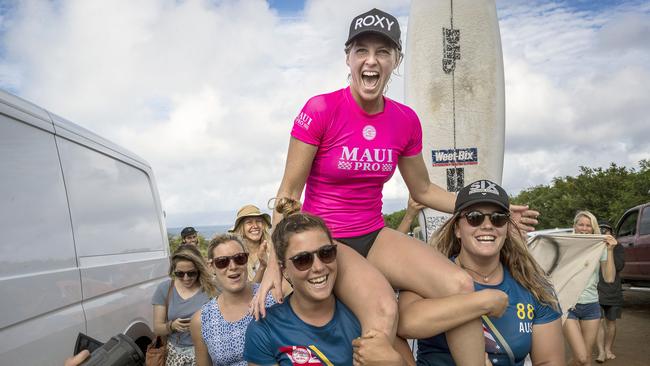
column 83, row 241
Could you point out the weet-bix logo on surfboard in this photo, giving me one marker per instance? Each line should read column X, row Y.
column 449, row 157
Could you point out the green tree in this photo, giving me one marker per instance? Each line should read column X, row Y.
column 175, row 242
column 607, row 193
column 392, row 220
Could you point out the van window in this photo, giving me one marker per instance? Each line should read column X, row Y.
column 628, row 225
column 111, row 203
column 644, row 227
column 36, row 231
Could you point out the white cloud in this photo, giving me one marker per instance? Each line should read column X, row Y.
column 206, row 91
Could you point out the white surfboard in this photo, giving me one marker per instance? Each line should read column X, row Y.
column 454, row 81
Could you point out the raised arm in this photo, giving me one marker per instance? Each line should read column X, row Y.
column 416, row 177
column 424, row 318
column 608, row 267
column 412, row 209
column 299, row 160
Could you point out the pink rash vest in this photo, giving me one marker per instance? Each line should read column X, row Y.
column 357, row 154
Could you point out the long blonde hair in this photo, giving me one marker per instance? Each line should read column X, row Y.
column 191, row 254
column 514, row 255
column 590, row 216
column 239, row 230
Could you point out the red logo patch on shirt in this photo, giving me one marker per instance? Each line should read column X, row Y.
column 300, row 355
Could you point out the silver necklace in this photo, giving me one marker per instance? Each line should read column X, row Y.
column 486, row 277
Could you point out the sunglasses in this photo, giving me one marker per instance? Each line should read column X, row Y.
column 190, row 274
column 222, row 262
column 304, row 260
column 475, row 218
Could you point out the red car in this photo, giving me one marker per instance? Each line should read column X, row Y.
column 633, row 233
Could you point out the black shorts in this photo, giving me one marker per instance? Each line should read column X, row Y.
column 361, row 243
column 611, row 312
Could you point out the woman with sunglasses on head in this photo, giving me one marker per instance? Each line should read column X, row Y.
column 583, row 319
column 188, row 289
column 311, row 326
column 513, row 296
column 219, row 327
column 344, row 146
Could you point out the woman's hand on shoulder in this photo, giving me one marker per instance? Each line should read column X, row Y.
column 525, row 218
column 272, row 281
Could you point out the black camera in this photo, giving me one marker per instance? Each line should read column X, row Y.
column 119, row 350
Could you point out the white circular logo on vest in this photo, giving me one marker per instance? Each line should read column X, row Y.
column 369, row 133
column 300, row 355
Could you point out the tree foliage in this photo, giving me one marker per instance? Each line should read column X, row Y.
column 607, row 193
column 392, row 220
column 175, row 242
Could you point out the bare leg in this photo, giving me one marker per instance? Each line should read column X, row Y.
column 589, row 329
column 408, row 264
column 610, row 335
column 573, row 335
column 600, row 342
column 366, row 292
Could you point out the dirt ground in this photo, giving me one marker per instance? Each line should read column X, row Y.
column 632, row 343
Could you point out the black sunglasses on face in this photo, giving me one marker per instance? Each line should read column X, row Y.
column 304, row 260
column 475, row 218
column 222, row 262
column 190, row 274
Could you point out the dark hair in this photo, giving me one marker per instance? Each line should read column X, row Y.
column 222, row 239
column 294, row 222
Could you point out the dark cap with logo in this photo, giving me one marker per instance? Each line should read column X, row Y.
column 482, row 191
column 378, row 22
column 187, row 231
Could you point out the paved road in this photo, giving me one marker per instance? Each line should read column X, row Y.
column 632, row 343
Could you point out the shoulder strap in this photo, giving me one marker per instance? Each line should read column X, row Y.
column 163, row 339
column 502, row 340
column 169, row 292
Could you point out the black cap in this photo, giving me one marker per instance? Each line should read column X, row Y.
column 376, row 21
column 482, row 191
column 187, row 231
column 604, row 224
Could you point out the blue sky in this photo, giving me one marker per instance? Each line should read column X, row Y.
column 206, row 90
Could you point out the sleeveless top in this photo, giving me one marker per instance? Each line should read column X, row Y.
column 224, row 339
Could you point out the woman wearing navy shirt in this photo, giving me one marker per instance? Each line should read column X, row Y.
column 481, row 238
column 311, row 326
